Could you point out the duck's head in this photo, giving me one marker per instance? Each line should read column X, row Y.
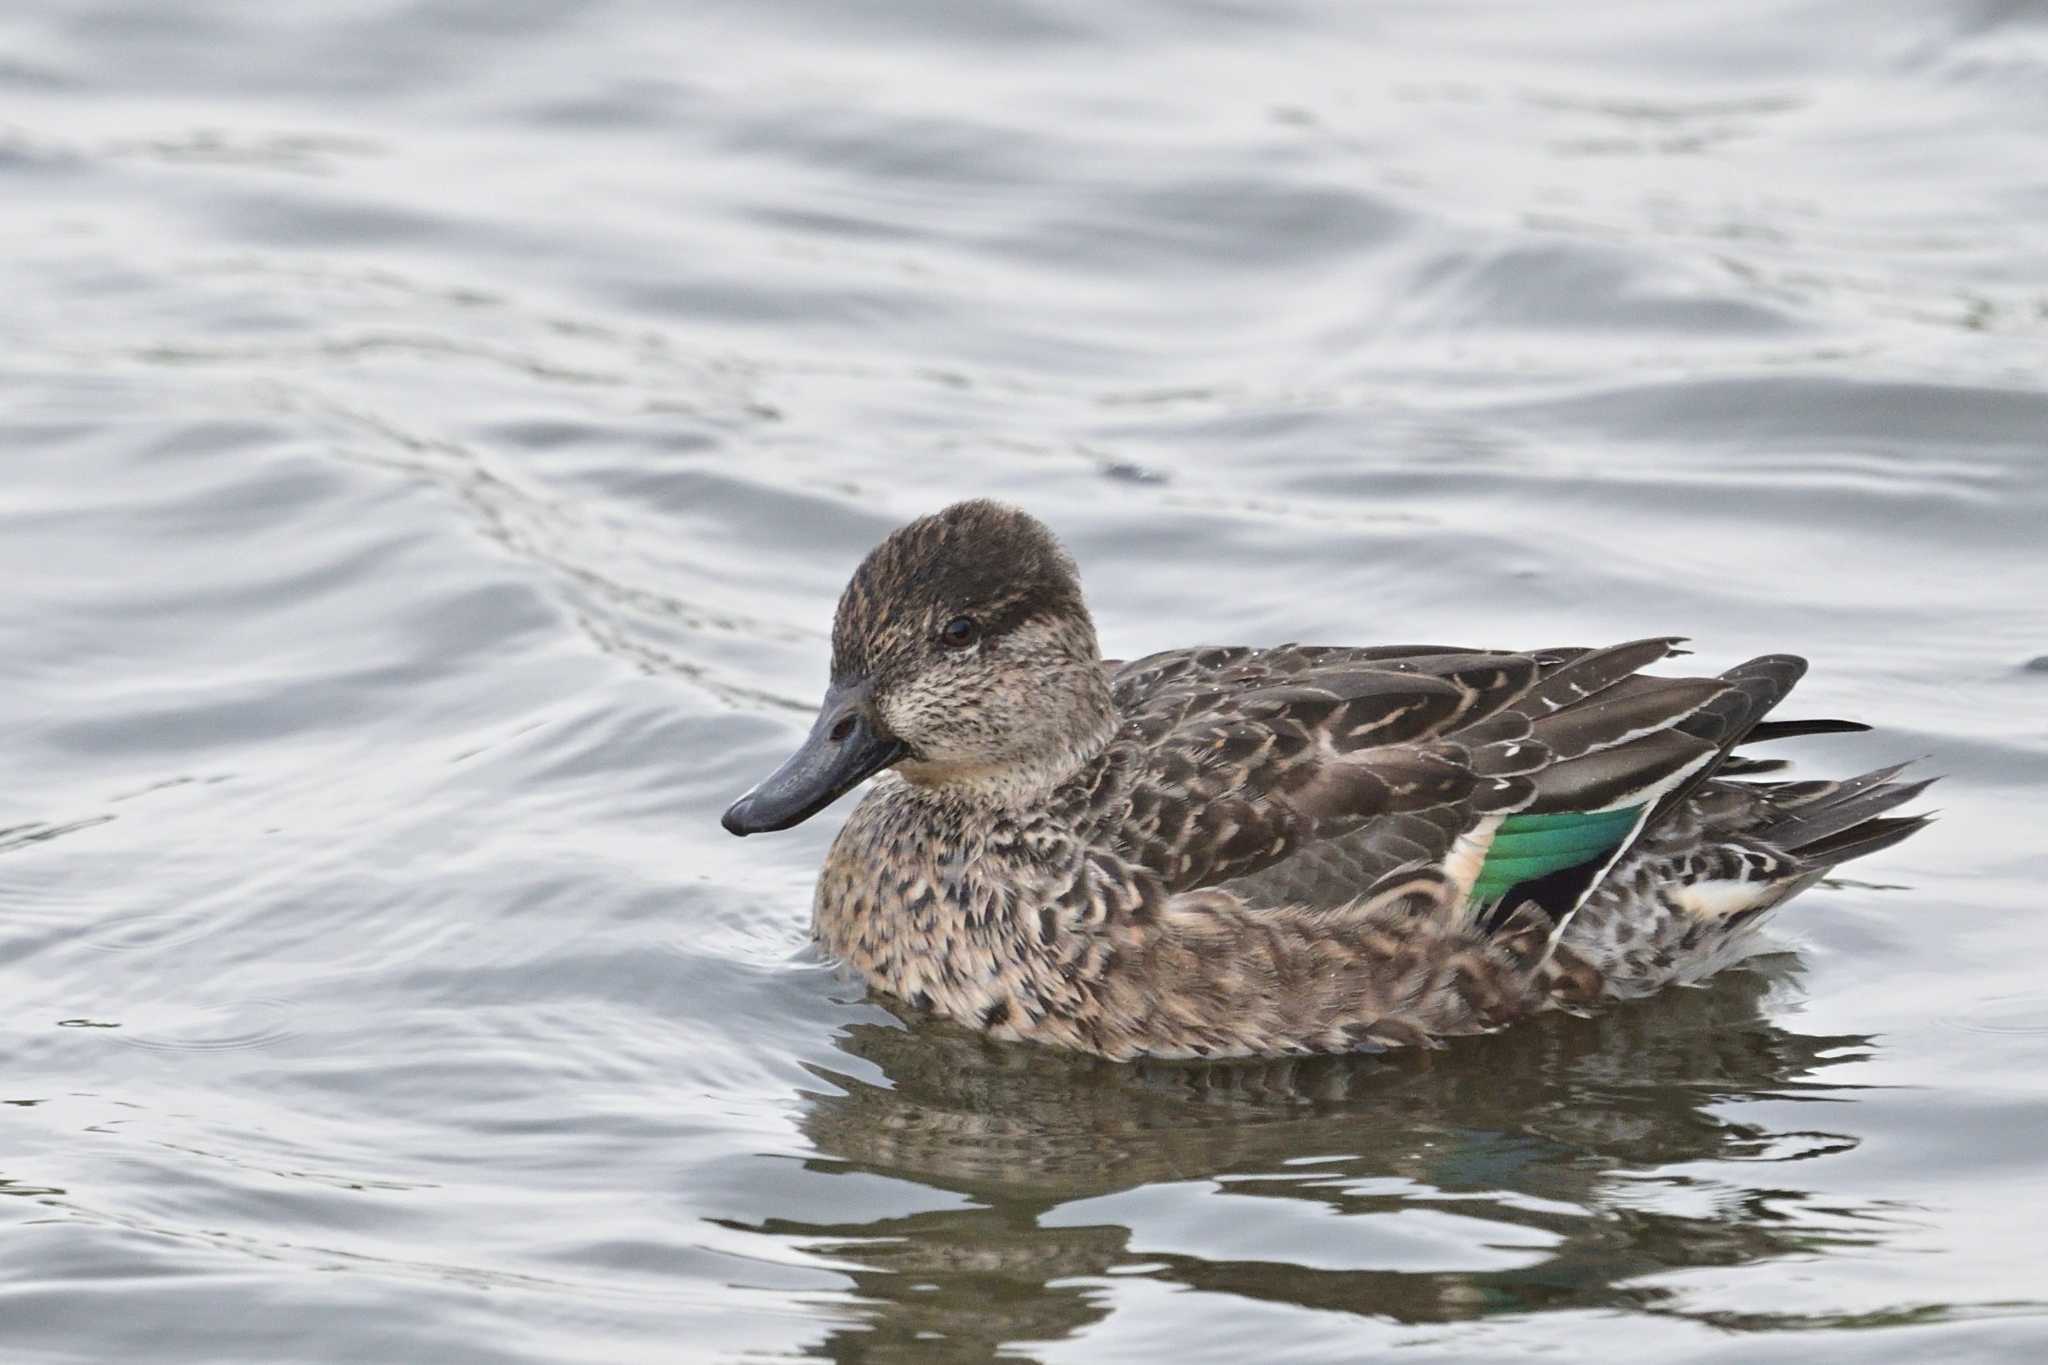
column 963, row 657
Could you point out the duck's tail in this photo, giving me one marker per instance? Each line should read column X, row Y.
column 1714, row 858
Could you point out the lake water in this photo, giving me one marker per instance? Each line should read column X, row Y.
column 435, row 434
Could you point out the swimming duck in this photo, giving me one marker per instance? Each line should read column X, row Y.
column 1232, row 852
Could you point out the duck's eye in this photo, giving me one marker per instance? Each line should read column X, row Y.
column 959, row 632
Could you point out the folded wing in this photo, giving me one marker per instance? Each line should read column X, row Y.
column 1308, row 775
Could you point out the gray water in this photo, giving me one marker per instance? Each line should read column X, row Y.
column 435, row 433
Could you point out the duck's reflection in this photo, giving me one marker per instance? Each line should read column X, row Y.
column 1568, row 1135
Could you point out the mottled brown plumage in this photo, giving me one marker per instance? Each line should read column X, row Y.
column 1231, row 851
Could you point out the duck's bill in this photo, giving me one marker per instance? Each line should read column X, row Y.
column 843, row 749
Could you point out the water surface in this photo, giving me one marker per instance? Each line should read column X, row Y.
column 437, row 431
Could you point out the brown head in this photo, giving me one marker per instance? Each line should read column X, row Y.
column 964, row 657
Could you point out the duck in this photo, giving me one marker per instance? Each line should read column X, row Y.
column 1234, row 852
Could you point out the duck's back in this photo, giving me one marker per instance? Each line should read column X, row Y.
column 1561, row 783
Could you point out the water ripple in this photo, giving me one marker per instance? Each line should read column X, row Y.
column 439, row 434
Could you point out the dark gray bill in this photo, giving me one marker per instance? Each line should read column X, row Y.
column 843, row 748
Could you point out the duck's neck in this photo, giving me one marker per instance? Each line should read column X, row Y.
column 934, row 888
column 1071, row 737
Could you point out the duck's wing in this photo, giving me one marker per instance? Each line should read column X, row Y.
column 1308, row 774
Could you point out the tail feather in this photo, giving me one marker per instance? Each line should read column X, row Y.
column 1809, row 797
column 1804, row 829
column 1736, row 765
column 1869, row 837
column 1766, row 731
